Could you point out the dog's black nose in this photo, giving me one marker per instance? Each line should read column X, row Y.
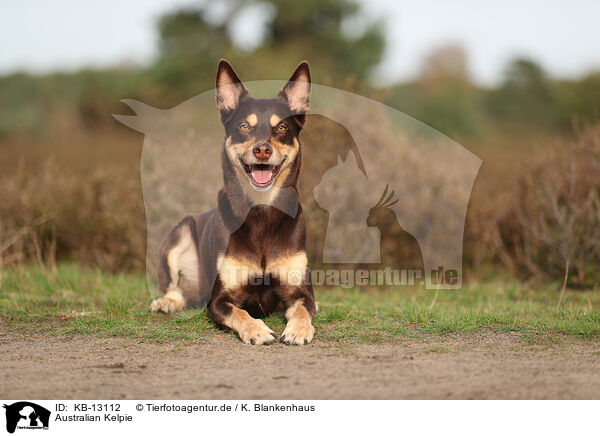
column 263, row 151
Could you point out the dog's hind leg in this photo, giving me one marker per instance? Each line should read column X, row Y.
column 178, row 268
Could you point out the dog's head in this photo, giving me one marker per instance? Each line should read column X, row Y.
column 262, row 149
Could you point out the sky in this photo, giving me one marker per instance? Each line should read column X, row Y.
column 563, row 36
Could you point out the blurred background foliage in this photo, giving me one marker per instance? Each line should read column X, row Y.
column 70, row 172
column 344, row 47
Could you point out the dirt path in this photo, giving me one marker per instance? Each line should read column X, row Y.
column 485, row 366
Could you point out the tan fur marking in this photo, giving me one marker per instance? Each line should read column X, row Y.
column 290, row 153
column 290, row 270
column 252, row 119
column 234, row 151
column 274, row 120
column 250, row 330
column 297, row 310
column 299, row 329
column 182, row 259
column 237, row 319
column 235, row 273
column 285, row 149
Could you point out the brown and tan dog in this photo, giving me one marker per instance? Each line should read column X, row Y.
column 247, row 256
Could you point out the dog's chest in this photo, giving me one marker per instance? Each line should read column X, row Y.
column 240, row 272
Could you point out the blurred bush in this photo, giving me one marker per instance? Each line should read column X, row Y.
column 539, row 216
column 444, row 96
column 558, row 210
column 54, row 215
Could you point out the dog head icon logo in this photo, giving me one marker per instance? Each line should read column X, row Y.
column 26, row 415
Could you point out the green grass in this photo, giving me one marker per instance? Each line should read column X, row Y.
column 74, row 300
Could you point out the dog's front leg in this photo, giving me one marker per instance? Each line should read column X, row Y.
column 300, row 308
column 250, row 330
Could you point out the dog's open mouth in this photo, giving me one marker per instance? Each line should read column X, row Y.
column 262, row 175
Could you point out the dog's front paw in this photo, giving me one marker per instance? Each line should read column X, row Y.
column 256, row 332
column 172, row 302
column 298, row 331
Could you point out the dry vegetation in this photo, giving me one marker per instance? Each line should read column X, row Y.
column 533, row 210
column 77, row 199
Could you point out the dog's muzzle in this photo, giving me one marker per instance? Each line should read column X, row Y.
column 262, row 175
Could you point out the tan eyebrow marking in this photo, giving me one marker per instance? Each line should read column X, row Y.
column 274, row 120
column 252, row 119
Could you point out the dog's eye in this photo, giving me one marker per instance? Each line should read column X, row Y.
column 244, row 126
column 281, row 127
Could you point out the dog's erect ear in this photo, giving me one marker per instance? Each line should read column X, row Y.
column 296, row 93
column 230, row 90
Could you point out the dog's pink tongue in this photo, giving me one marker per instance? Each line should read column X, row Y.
column 261, row 176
